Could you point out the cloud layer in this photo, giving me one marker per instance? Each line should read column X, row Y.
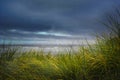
column 52, row 18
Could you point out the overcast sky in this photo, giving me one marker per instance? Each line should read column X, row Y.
column 52, row 21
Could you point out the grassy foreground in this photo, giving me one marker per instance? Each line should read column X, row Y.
column 95, row 62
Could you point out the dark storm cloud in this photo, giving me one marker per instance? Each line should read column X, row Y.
column 54, row 18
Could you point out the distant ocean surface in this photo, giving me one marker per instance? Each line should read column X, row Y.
column 53, row 49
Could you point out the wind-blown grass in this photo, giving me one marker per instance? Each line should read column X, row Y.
column 95, row 62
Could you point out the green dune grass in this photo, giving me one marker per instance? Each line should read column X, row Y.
column 95, row 62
